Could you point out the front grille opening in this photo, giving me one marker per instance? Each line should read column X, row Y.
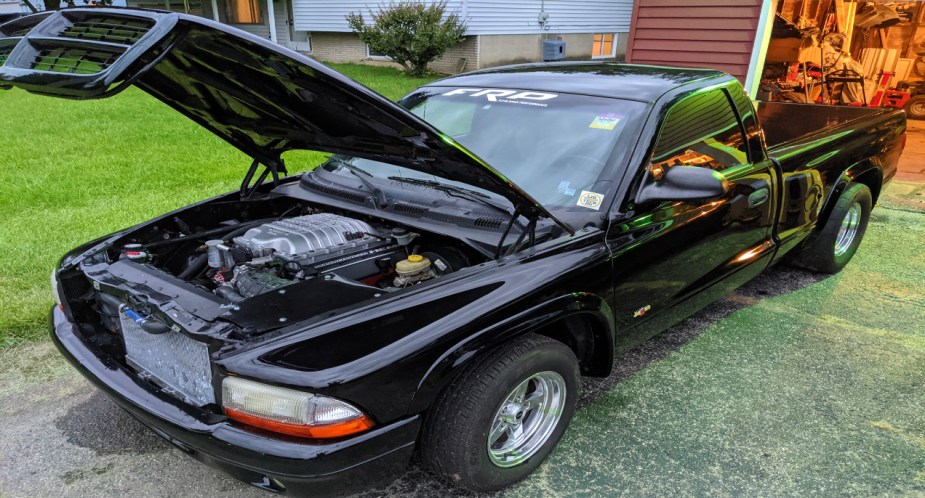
column 108, row 29
column 74, row 60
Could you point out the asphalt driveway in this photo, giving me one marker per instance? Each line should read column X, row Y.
column 797, row 384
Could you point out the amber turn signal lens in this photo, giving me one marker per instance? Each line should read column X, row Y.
column 327, row 431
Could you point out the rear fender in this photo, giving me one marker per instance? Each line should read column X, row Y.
column 867, row 172
column 596, row 362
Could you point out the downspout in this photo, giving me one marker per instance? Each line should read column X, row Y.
column 215, row 10
column 271, row 14
column 760, row 47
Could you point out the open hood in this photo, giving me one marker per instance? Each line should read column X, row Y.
column 256, row 95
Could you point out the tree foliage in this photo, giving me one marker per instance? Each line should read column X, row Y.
column 412, row 33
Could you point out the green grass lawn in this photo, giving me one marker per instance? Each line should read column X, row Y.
column 75, row 170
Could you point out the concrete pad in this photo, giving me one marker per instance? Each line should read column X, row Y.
column 912, row 162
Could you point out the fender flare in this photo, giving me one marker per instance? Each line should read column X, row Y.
column 462, row 354
column 857, row 170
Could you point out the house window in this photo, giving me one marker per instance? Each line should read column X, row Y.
column 603, row 46
column 243, row 12
column 373, row 55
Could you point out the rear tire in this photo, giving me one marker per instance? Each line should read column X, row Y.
column 500, row 419
column 834, row 246
column 915, row 108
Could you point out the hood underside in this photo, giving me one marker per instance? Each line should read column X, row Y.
column 254, row 94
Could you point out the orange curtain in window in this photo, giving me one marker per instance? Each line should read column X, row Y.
column 243, row 12
column 603, row 45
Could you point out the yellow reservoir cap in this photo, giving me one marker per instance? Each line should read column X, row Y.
column 412, row 266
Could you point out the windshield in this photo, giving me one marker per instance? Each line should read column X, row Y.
column 557, row 147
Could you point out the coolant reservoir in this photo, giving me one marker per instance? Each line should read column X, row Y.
column 414, row 265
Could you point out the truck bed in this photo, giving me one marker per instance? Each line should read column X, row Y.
column 785, row 122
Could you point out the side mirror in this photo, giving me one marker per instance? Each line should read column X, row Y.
column 685, row 183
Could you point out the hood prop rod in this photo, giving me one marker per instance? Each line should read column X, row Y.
column 506, row 232
column 529, row 229
column 274, row 167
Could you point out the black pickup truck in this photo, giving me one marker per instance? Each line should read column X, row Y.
column 442, row 280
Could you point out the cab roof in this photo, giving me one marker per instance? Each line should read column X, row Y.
column 602, row 79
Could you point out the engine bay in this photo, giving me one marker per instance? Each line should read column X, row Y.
column 244, row 260
column 276, row 254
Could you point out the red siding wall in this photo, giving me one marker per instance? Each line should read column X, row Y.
column 717, row 34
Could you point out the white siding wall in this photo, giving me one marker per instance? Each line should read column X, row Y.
column 565, row 16
column 488, row 17
column 328, row 15
column 10, row 7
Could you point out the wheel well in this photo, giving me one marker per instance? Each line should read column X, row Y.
column 873, row 179
column 588, row 337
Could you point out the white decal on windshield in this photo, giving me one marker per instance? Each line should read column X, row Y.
column 492, row 95
column 590, row 200
column 505, row 96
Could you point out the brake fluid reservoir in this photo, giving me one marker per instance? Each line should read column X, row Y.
column 412, row 266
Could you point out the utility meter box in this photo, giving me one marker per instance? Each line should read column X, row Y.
column 553, row 50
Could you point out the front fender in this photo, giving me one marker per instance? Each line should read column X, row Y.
column 464, row 353
column 383, row 355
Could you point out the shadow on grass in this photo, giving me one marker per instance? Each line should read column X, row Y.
column 774, row 282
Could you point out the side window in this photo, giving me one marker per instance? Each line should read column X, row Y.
column 701, row 130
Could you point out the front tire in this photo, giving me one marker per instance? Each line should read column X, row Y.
column 500, row 419
column 835, row 245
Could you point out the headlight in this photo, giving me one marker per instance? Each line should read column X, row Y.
column 288, row 411
column 55, row 292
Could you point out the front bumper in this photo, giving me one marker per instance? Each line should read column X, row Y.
column 368, row 460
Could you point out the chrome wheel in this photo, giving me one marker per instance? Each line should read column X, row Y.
column 848, row 230
column 526, row 419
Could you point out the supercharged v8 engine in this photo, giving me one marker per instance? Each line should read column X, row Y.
column 280, row 253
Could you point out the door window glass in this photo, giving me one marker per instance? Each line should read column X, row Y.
column 701, row 130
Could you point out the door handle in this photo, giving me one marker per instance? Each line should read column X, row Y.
column 758, row 197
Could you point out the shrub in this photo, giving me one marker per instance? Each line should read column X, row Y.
column 412, row 33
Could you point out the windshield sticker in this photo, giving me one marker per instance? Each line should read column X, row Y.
column 605, row 121
column 505, row 96
column 564, row 190
column 590, row 200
